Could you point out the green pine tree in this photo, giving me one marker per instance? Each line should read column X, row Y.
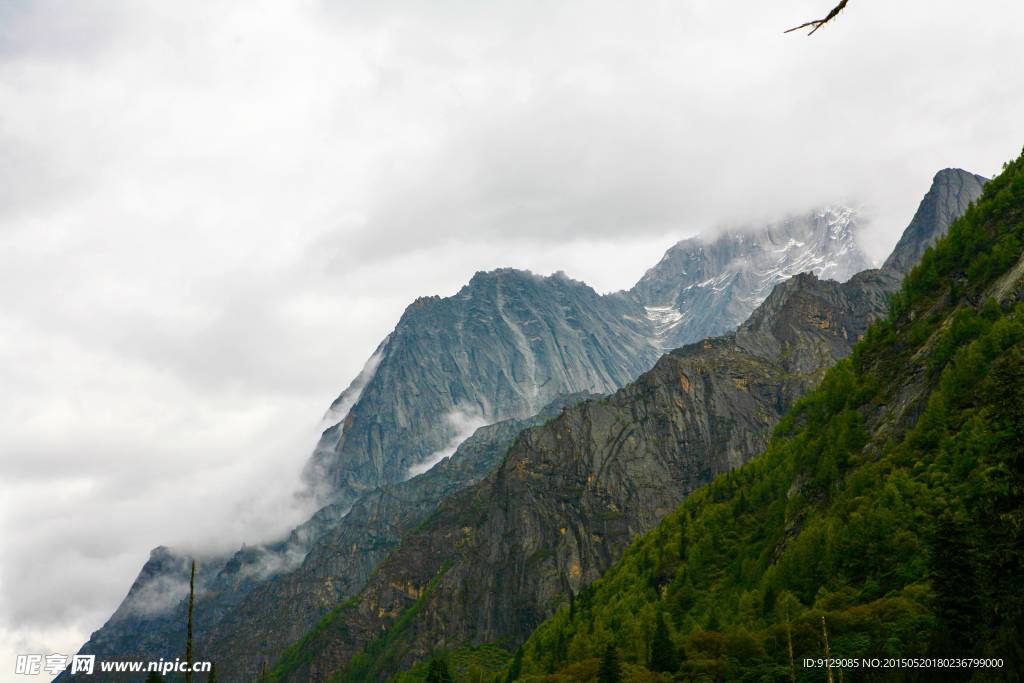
column 154, row 677
column 517, row 665
column 1006, row 394
column 662, row 653
column 610, row 671
column 957, row 607
column 438, row 671
column 682, row 538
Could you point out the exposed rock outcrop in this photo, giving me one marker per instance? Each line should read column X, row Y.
column 340, row 561
column 951, row 191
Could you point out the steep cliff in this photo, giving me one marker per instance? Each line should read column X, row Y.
column 279, row 612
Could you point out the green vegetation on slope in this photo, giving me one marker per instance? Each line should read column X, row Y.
column 887, row 508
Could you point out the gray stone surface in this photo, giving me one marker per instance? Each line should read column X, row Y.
column 510, row 341
column 951, row 191
column 502, row 347
column 704, row 287
column 280, row 611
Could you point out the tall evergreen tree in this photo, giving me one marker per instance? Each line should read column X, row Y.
column 663, row 657
column 610, row 671
column 1006, row 393
column 438, row 671
column 682, row 538
column 957, row 607
column 1003, row 518
column 517, row 665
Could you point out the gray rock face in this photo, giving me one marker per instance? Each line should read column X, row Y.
column 807, row 321
column 951, row 191
column 704, row 287
column 503, row 347
column 279, row 612
column 497, row 558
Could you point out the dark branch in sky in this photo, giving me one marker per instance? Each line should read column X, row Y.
column 821, row 22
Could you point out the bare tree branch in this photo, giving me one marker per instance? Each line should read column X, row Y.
column 821, row 22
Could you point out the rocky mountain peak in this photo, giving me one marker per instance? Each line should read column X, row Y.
column 951, row 191
column 502, row 347
column 706, row 285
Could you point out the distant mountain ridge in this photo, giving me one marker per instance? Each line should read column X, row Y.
column 503, row 347
column 705, row 287
column 510, row 341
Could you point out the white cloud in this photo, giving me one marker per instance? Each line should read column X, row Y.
column 211, row 212
column 464, row 423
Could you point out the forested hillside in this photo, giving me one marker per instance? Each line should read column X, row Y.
column 885, row 516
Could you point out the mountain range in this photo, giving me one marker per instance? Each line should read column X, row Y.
column 485, row 545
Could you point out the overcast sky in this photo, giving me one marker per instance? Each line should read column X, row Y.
column 212, row 212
